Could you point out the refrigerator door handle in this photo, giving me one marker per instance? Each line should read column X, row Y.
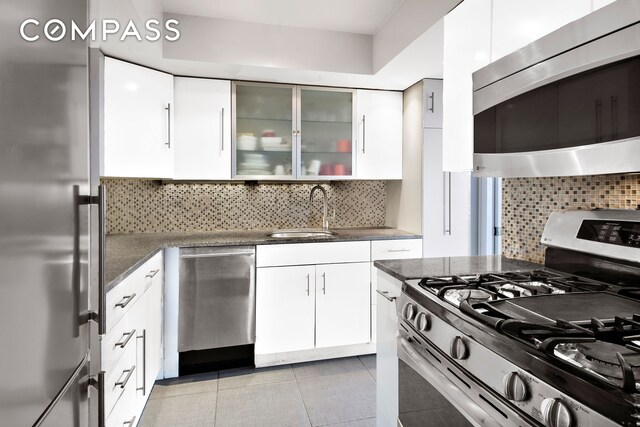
column 100, row 200
column 81, row 369
column 98, row 383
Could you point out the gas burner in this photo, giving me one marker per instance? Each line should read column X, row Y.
column 472, row 296
column 527, row 289
column 611, row 361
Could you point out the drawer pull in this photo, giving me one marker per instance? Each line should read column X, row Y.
column 130, row 422
column 126, row 300
column 399, row 250
column 129, row 372
column 123, row 342
column 152, row 273
column 386, row 296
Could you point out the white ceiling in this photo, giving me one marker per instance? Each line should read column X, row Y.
column 353, row 16
column 415, row 25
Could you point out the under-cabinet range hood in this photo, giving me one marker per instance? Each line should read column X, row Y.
column 566, row 104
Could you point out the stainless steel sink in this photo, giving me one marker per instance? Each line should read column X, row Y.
column 300, row 233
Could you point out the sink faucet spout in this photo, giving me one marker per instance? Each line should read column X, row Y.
column 325, row 216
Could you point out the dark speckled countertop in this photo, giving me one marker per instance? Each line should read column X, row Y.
column 126, row 252
column 406, row 269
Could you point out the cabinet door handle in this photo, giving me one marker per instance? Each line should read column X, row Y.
column 614, row 117
column 152, row 273
column 129, row 372
column 130, row 422
column 222, row 129
column 433, row 101
column 308, row 284
column 447, row 203
column 364, row 130
column 324, row 284
column 598, row 120
column 144, row 362
column 124, row 341
column 168, row 108
column 126, row 300
column 386, row 296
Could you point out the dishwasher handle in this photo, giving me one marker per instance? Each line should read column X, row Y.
column 210, row 252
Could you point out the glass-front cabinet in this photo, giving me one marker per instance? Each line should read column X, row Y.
column 263, row 132
column 286, row 132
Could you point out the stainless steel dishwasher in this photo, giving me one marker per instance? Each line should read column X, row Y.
column 217, row 307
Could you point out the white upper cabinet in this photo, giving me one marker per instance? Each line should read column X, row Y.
column 202, row 129
column 379, row 137
column 467, row 46
column 518, row 23
column 138, row 131
column 432, row 103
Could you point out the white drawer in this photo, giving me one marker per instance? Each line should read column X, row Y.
column 120, row 378
column 124, row 412
column 153, row 270
column 312, row 253
column 117, row 342
column 121, row 298
column 396, row 249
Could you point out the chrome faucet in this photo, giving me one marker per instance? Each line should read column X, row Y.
column 325, row 217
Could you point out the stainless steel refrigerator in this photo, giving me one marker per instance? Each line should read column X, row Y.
column 49, row 230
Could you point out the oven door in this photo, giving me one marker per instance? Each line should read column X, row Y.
column 433, row 390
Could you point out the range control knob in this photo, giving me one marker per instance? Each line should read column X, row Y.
column 409, row 311
column 514, row 387
column 423, row 323
column 459, row 349
column 556, row 413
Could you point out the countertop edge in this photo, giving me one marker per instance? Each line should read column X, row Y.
column 518, row 265
column 249, row 242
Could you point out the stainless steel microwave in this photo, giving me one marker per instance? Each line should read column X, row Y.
column 567, row 104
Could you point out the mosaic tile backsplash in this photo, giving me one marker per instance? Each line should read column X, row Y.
column 143, row 206
column 528, row 202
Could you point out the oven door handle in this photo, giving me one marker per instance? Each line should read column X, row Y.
column 474, row 413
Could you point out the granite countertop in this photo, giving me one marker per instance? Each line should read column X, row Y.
column 126, row 252
column 406, row 269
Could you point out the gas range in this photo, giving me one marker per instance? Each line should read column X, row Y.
column 556, row 346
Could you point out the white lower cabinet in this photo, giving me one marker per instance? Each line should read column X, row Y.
column 388, row 249
column 313, row 301
column 342, row 304
column 311, row 306
column 386, row 351
column 285, row 309
column 132, row 348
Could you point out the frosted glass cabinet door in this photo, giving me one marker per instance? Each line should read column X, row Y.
column 326, row 131
column 263, row 133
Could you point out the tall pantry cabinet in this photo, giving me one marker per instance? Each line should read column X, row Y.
column 446, row 197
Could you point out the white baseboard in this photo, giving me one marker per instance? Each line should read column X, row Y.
column 262, row 360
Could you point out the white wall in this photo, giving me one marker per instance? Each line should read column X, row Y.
column 412, row 19
column 404, row 198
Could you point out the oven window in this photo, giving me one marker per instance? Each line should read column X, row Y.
column 596, row 106
column 420, row 404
